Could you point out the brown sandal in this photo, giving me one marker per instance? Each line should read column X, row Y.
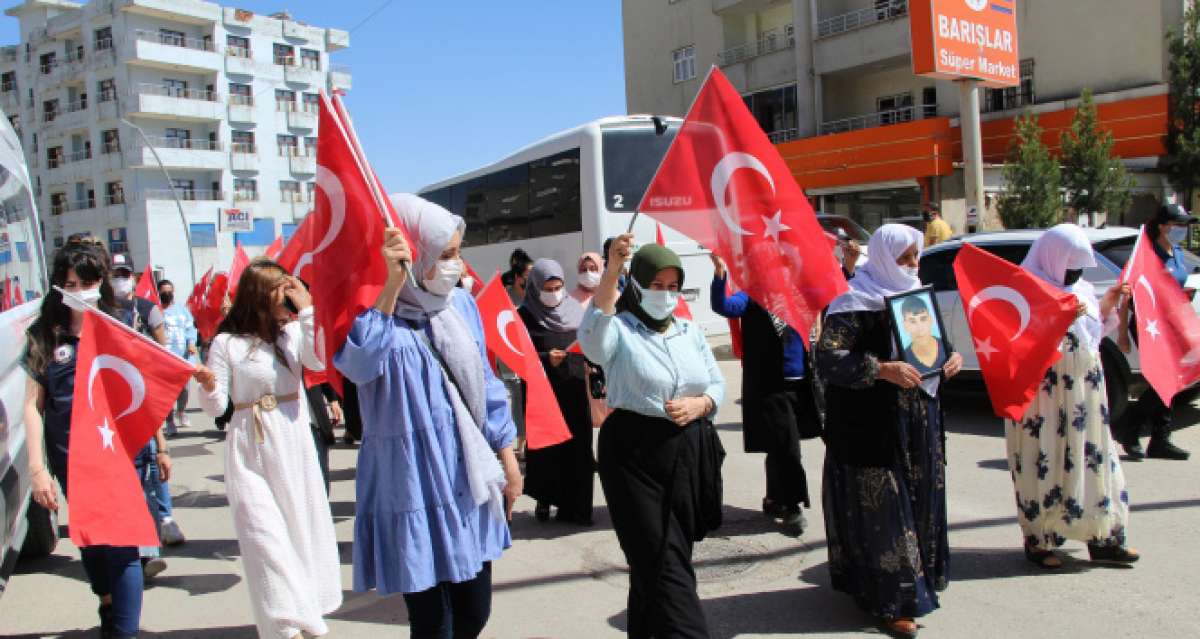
column 1113, row 554
column 1043, row 558
column 903, row 627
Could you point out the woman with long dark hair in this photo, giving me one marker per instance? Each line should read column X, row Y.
column 275, row 488
column 80, row 268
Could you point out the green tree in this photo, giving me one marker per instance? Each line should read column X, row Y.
column 1183, row 122
column 1093, row 179
column 1031, row 178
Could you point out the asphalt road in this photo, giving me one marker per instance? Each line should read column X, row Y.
column 563, row 581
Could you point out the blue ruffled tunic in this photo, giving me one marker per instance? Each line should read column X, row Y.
column 416, row 524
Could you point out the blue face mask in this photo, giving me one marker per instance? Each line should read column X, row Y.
column 657, row 304
column 1177, row 234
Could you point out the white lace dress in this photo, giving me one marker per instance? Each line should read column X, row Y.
column 280, row 511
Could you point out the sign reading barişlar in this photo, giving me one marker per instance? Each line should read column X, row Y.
column 954, row 39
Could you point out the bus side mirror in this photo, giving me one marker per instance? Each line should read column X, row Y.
column 660, row 127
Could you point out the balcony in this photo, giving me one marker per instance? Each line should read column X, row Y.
column 882, row 11
column 302, row 119
column 166, row 51
column 303, row 164
column 336, row 39
column 189, row 11
column 241, row 108
column 880, row 118
column 300, row 74
column 159, row 101
column 339, row 76
column 177, row 153
column 104, row 58
column 875, row 37
column 768, row 42
column 245, row 195
column 244, row 157
column 195, row 202
column 293, row 30
column 239, row 61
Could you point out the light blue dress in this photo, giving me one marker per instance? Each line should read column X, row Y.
column 415, row 522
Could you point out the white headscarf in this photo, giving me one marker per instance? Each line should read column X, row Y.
column 881, row 277
column 431, row 227
column 1061, row 249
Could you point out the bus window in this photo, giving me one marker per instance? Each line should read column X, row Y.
column 467, row 200
column 631, row 156
column 507, row 198
column 554, row 201
column 441, row 197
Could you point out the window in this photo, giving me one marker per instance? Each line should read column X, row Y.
column 47, row 62
column 103, row 38
column 172, row 37
column 310, row 146
column 8, row 81
column 114, row 193
column 240, row 94
column 110, row 141
column 310, row 59
column 631, row 155
column 894, row 108
column 175, row 88
column 685, row 63
column 262, row 235
column 506, row 205
column 1010, row 97
column 185, row 187
column 58, row 203
column 929, row 102
column 118, row 240
column 245, row 189
column 203, row 235
column 107, row 89
column 310, row 191
column 775, row 111
column 289, row 191
column 285, row 54
column 237, row 46
column 312, row 103
column 243, row 141
column 49, row 110
column 288, row 145
column 178, row 138
column 285, row 100
column 54, row 157
column 554, row 202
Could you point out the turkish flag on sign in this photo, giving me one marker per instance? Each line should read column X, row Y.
column 1167, row 327
column 147, row 288
column 1017, row 322
column 544, row 423
column 681, row 309
column 124, row 387
column 723, row 184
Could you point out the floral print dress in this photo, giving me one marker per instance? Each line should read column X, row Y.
column 1063, row 460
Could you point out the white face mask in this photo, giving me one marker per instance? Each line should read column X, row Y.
column 550, row 300
column 468, row 283
column 657, row 304
column 89, row 297
column 122, row 286
column 446, row 275
column 910, row 271
column 589, row 279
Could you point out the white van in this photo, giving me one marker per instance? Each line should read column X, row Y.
column 26, row 529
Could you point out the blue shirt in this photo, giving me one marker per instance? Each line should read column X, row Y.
column 644, row 369
column 734, row 306
column 180, row 328
column 416, row 523
column 1174, row 262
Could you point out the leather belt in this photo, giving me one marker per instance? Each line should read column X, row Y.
column 268, row 403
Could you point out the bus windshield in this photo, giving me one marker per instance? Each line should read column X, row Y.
column 631, row 156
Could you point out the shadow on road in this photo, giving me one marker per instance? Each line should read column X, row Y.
column 227, row 632
column 196, row 584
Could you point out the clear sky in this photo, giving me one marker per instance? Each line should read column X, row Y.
column 444, row 86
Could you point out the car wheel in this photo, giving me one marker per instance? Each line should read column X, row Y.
column 1116, row 385
column 42, row 535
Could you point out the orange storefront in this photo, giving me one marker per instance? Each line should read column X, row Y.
column 923, row 152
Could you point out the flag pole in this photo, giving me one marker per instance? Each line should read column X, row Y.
column 112, row 320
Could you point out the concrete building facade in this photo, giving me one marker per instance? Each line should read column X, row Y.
column 227, row 101
column 831, row 82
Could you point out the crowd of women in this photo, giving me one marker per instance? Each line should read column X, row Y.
column 437, row 474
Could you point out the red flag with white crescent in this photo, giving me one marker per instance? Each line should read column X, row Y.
column 297, row 255
column 147, row 288
column 508, row 339
column 723, row 184
column 124, row 387
column 195, row 300
column 1017, row 323
column 210, row 316
column 1168, row 329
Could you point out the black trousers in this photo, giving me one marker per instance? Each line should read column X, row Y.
column 451, row 611
column 1150, row 408
column 648, row 472
column 787, row 484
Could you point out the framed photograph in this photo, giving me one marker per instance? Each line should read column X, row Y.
column 918, row 331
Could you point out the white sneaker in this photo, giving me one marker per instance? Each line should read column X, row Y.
column 170, row 534
column 185, row 421
column 152, row 568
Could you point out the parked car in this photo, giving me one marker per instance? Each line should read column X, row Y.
column 26, row 529
column 1113, row 246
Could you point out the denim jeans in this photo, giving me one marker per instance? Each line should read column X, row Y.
column 147, row 470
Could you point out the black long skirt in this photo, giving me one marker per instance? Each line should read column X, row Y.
column 648, row 470
column 563, row 475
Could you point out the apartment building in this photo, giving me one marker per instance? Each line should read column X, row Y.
column 831, row 82
column 225, row 99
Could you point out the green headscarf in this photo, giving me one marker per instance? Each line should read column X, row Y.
column 647, row 262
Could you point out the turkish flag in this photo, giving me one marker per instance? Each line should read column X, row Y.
column 124, row 387
column 477, row 282
column 239, row 264
column 681, row 310
column 195, row 300
column 1167, row 327
column 272, row 252
column 1017, row 322
column 147, row 288
column 296, row 256
column 5, row 297
column 723, row 184
column 17, row 295
column 210, row 316
column 507, row 338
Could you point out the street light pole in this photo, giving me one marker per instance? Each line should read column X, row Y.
column 187, row 235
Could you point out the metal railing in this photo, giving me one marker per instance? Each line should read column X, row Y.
column 147, row 88
column 285, row 106
column 79, row 105
column 115, row 198
column 108, row 95
column 47, row 67
column 184, row 194
column 247, row 148
column 82, row 205
column 110, row 147
column 173, row 40
column 245, row 196
column 783, row 135
column 882, row 11
column 104, row 44
column 162, row 142
column 871, row 120
column 238, row 52
column 292, row 196
column 241, row 100
column 79, row 156
column 50, row 115
column 770, row 41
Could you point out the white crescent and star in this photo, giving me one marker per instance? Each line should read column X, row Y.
column 719, row 183
column 106, row 435
column 502, row 321
column 1151, row 325
column 331, row 186
column 131, row 375
column 984, row 348
column 1004, row 294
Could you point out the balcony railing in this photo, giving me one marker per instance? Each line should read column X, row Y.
column 79, row 156
column 115, row 198
column 50, row 114
column 247, row 148
column 882, row 11
column 184, row 194
column 82, row 205
column 146, row 88
column 47, row 67
column 160, row 142
column 238, row 52
column 79, row 105
column 241, row 100
column 110, row 147
column 768, row 42
column 291, row 196
column 104, row 44
column 784, row 135
column 245, row 196
column 173, row 40
column 108, row 95
column 285, row 106
column 881, row 118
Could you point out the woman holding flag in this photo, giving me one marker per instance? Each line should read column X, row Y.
column 559, row 475
column 1064, row 463
column 80, row 268
column 275, row 488
column 884, row 488
column 432, row 500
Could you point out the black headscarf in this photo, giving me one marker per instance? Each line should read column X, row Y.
column 647, row 262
